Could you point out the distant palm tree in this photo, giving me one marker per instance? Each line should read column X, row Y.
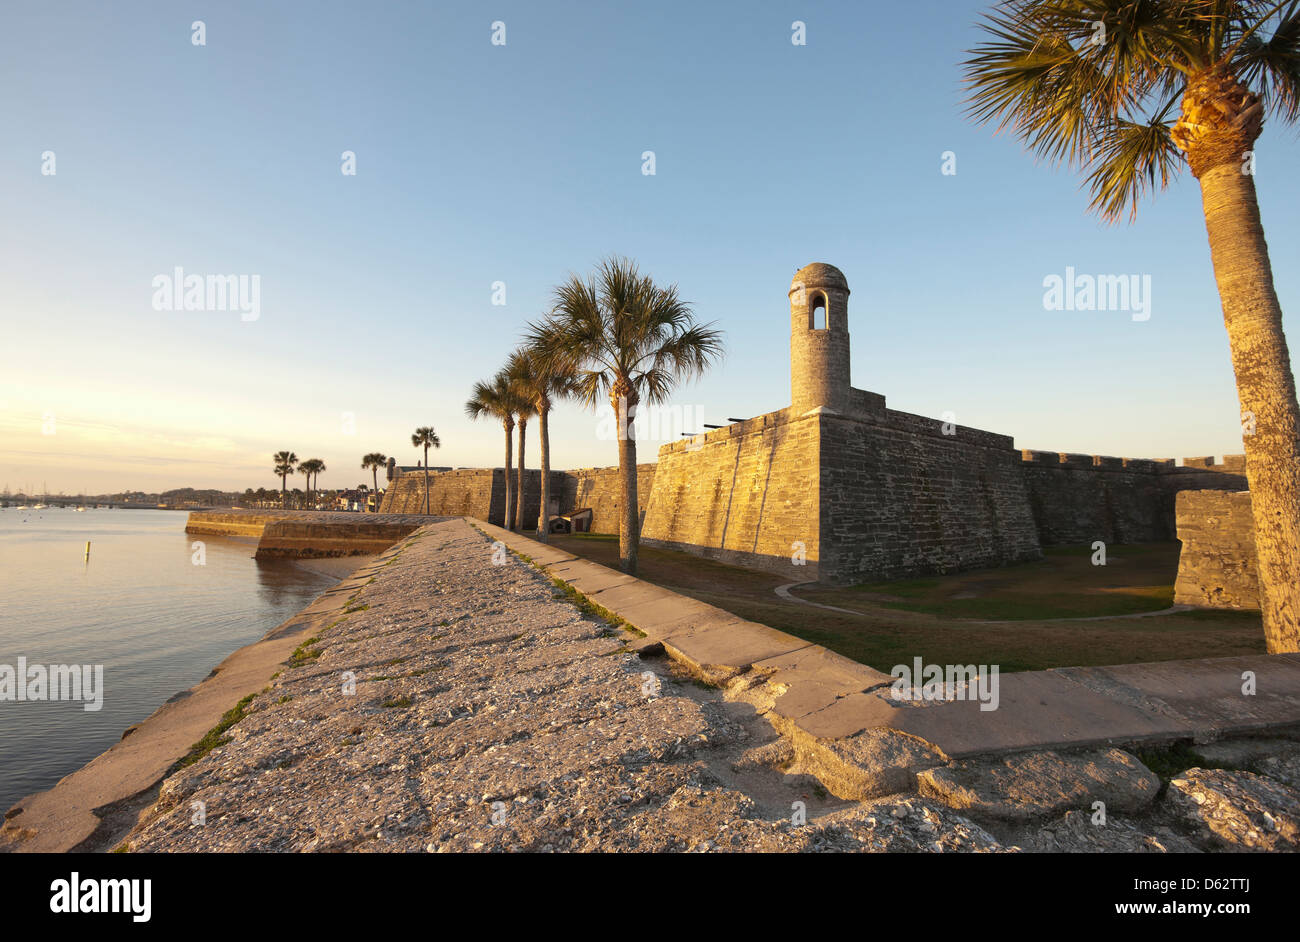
column 304, row 468
column 1095, row 83
column 425, row 437
column 374, row 461
column 542, row 386
column 285, row 462
column 311, row 467
column 519, row 376
column 499, row 400
column 622, row 336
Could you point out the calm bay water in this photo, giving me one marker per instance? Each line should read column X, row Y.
column 140, row 606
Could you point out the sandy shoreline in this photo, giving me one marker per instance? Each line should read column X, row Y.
column 336, row 567
column 90, row 809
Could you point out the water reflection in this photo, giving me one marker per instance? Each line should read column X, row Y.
column 139, row 605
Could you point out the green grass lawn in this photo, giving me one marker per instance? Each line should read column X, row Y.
column 1064, row 584
column 937, row 618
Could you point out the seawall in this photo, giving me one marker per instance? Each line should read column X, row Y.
column 307, row 534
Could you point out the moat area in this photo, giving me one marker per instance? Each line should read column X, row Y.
column 1008, row 616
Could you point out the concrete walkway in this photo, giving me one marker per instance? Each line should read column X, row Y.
column 833, row 704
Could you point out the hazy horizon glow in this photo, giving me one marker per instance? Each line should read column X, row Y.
column 519, row 164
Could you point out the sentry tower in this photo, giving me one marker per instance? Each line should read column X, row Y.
column 819, row 340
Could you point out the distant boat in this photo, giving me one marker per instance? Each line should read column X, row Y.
column 81, row 510
column 39, row 507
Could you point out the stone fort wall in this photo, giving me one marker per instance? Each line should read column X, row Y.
column 880, row 494
column 481, row 493
column 1082, row 498
column 744, row 494
column 900, row 498
column 601, row 490
column 470, row 492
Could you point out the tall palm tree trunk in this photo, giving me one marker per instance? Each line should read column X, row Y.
column 374, row 471
column 284, row 492
column 544, row 512
column 1266, row 388
column 509, row 426
column 426, row 479
column 519, row 499
column 629, row 527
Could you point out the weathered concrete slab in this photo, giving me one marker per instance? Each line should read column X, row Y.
column 1207, row 696
column 722, row 650
column 713, row 642
column 1042, row 784
column 813, row 678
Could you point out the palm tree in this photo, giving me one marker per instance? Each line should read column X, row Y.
column 285, row 462
column 519, row 376
column 425, row 437
column 621, row 335
column 374, row 461
column 498, row 400
column 1095, row 83
column 311, row 467
column 304, row 468
column 542, row 387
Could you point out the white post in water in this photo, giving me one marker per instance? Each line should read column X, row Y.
column 88, row 549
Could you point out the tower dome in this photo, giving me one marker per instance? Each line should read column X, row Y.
column 820, row 275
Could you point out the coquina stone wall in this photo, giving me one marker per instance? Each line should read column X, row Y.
column 469, row 492
column 899, row 497
column 1083, row 498
column 601, row 489
column 878, row 494
column 480, row 492
column 743, row 494
column 1216, row 568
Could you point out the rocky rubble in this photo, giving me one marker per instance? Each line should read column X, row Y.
column 1233, row 810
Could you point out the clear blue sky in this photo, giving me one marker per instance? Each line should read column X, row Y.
column 520, row 163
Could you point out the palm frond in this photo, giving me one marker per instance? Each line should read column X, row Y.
column 1271, row 67
column 1105, row 106
column 1133, row 160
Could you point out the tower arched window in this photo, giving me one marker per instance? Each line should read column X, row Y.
column 817, row 312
